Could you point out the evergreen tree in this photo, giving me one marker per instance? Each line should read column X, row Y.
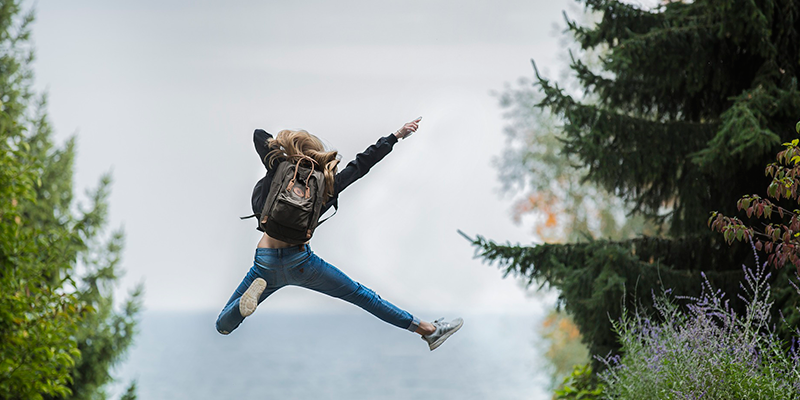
column 59, row 331
column 689, row 103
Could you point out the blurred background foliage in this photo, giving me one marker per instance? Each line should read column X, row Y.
column 60, row 329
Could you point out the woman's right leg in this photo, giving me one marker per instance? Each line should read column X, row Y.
column 316, row 274
column 327, row 279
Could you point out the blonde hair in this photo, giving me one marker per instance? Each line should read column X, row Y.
column 288, row 143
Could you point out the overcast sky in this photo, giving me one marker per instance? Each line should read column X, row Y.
column 166, row 95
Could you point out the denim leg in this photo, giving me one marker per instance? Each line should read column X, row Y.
column 230, row 318
column 327, row 279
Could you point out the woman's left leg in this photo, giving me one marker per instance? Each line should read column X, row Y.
column 325, row 278
column 230, row 317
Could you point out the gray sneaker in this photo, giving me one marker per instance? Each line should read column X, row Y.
column 442, row 332
column 249, row 300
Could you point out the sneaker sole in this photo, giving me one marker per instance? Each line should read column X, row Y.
column 249, row 300
column 444, row 337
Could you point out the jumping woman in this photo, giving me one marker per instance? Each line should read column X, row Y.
column 278, row 263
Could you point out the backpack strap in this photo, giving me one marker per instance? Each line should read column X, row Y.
column 264, row 192
column 335, row 209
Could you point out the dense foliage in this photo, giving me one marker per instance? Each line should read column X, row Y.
column 59, row 330
column 687, row 103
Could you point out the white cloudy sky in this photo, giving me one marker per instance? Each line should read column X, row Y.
column 166, row 94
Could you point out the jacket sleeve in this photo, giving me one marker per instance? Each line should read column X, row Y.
column 260, row 138
column 363, row 162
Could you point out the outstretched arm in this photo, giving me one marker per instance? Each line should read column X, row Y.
column 368, row 158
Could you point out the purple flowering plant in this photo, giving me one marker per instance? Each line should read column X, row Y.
column 702, row 349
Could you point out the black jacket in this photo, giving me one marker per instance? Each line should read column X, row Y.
column 345, row 177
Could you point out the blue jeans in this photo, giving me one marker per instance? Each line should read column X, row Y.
column 299, row 266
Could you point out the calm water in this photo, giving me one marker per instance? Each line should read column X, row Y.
column 348, row 356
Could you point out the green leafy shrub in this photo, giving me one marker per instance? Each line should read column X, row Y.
column 582, row 384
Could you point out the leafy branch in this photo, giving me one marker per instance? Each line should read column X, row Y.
column 780, row 240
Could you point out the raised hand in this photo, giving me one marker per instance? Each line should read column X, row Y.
column 408, row 128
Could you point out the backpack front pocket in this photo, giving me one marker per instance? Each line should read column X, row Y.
column 293, row 212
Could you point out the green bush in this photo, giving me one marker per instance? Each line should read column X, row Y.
column 580, row 385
